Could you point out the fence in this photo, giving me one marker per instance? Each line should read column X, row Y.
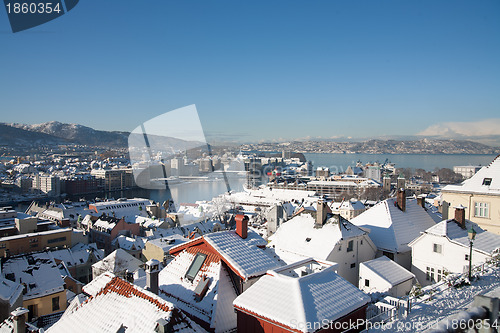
column 392, row 308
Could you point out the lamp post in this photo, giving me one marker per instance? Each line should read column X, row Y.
column 472, row 236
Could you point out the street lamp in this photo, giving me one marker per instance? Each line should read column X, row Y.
column 472, row 236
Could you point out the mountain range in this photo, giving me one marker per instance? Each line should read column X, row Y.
column 55, row 133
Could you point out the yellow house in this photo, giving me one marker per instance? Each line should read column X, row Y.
column 480, row 195
column 44, row 288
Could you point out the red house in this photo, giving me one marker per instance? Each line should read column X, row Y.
column 104, row 229
column 209, row 272
column 307, row 296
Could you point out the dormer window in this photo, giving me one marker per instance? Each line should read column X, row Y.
column 487, row 181
column 198, row 261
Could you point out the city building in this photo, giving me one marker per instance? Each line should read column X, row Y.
column 114, row 179
column 48, row 184
column 35, row 241
column 121, row 207
column 104, row 229
column 467, row 171
column 44, row 288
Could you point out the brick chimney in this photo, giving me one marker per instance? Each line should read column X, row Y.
column 460, row 216
column 421, row 201
column 242, row 225
column 320, row 213
column 152, row 271
column 401, row 199
column 19, row 320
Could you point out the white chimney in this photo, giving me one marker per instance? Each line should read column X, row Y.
column 152, row 271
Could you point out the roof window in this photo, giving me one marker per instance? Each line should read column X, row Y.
column 487, row 181
column 195, row 266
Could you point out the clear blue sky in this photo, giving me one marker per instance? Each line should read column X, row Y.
column 258, row 69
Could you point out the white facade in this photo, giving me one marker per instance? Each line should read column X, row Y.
column 385, row 276
column 392, row 228
column 466, row 171
column 336, row 241
column 445, row 248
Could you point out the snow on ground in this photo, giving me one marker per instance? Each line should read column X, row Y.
column 442, row 305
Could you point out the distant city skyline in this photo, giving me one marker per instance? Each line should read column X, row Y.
column 263, row 71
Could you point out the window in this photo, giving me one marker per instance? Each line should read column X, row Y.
column 438, row 248
column 353, row 265
column 440, row 274
column 32, row 312
column 367, row 283
column 481, row 209
column 389, row 255
column 56, row 240
column 429, row 276
column 55, row 303
column 195, row 266
column 467, row 257
column 487, row 181
column 350, row 246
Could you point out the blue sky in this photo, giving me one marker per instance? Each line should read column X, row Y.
column 259, row 69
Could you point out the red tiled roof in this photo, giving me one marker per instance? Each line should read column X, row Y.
column 124, row 288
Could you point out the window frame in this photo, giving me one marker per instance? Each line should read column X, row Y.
column 191, row 275
column 481, row 209
column 350, row 246
column 436, row 247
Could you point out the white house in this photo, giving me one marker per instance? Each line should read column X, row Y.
column 334, row 239
column 445, row 247
column 385, row 276
column 393, row 223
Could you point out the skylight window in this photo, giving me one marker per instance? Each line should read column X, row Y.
column 487, row 181
column 195, row 266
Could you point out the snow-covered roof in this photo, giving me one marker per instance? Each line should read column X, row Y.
column 318, row 297
column 122, row 207
column 486, row 181
column 35, row 234
column 485, row 241
column 389, row 270
column 391, row 229
column 10, row 291
column 121, row 306
column 38, row 271
column 98, row 283
column 129, row 243
column 347, row 205
column 299, row 236
column 243, row 255
column 77, row 255
column 118, row 262
column 166, row 243
column 215, row 308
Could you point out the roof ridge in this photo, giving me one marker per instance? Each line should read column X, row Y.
column 302, row 310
